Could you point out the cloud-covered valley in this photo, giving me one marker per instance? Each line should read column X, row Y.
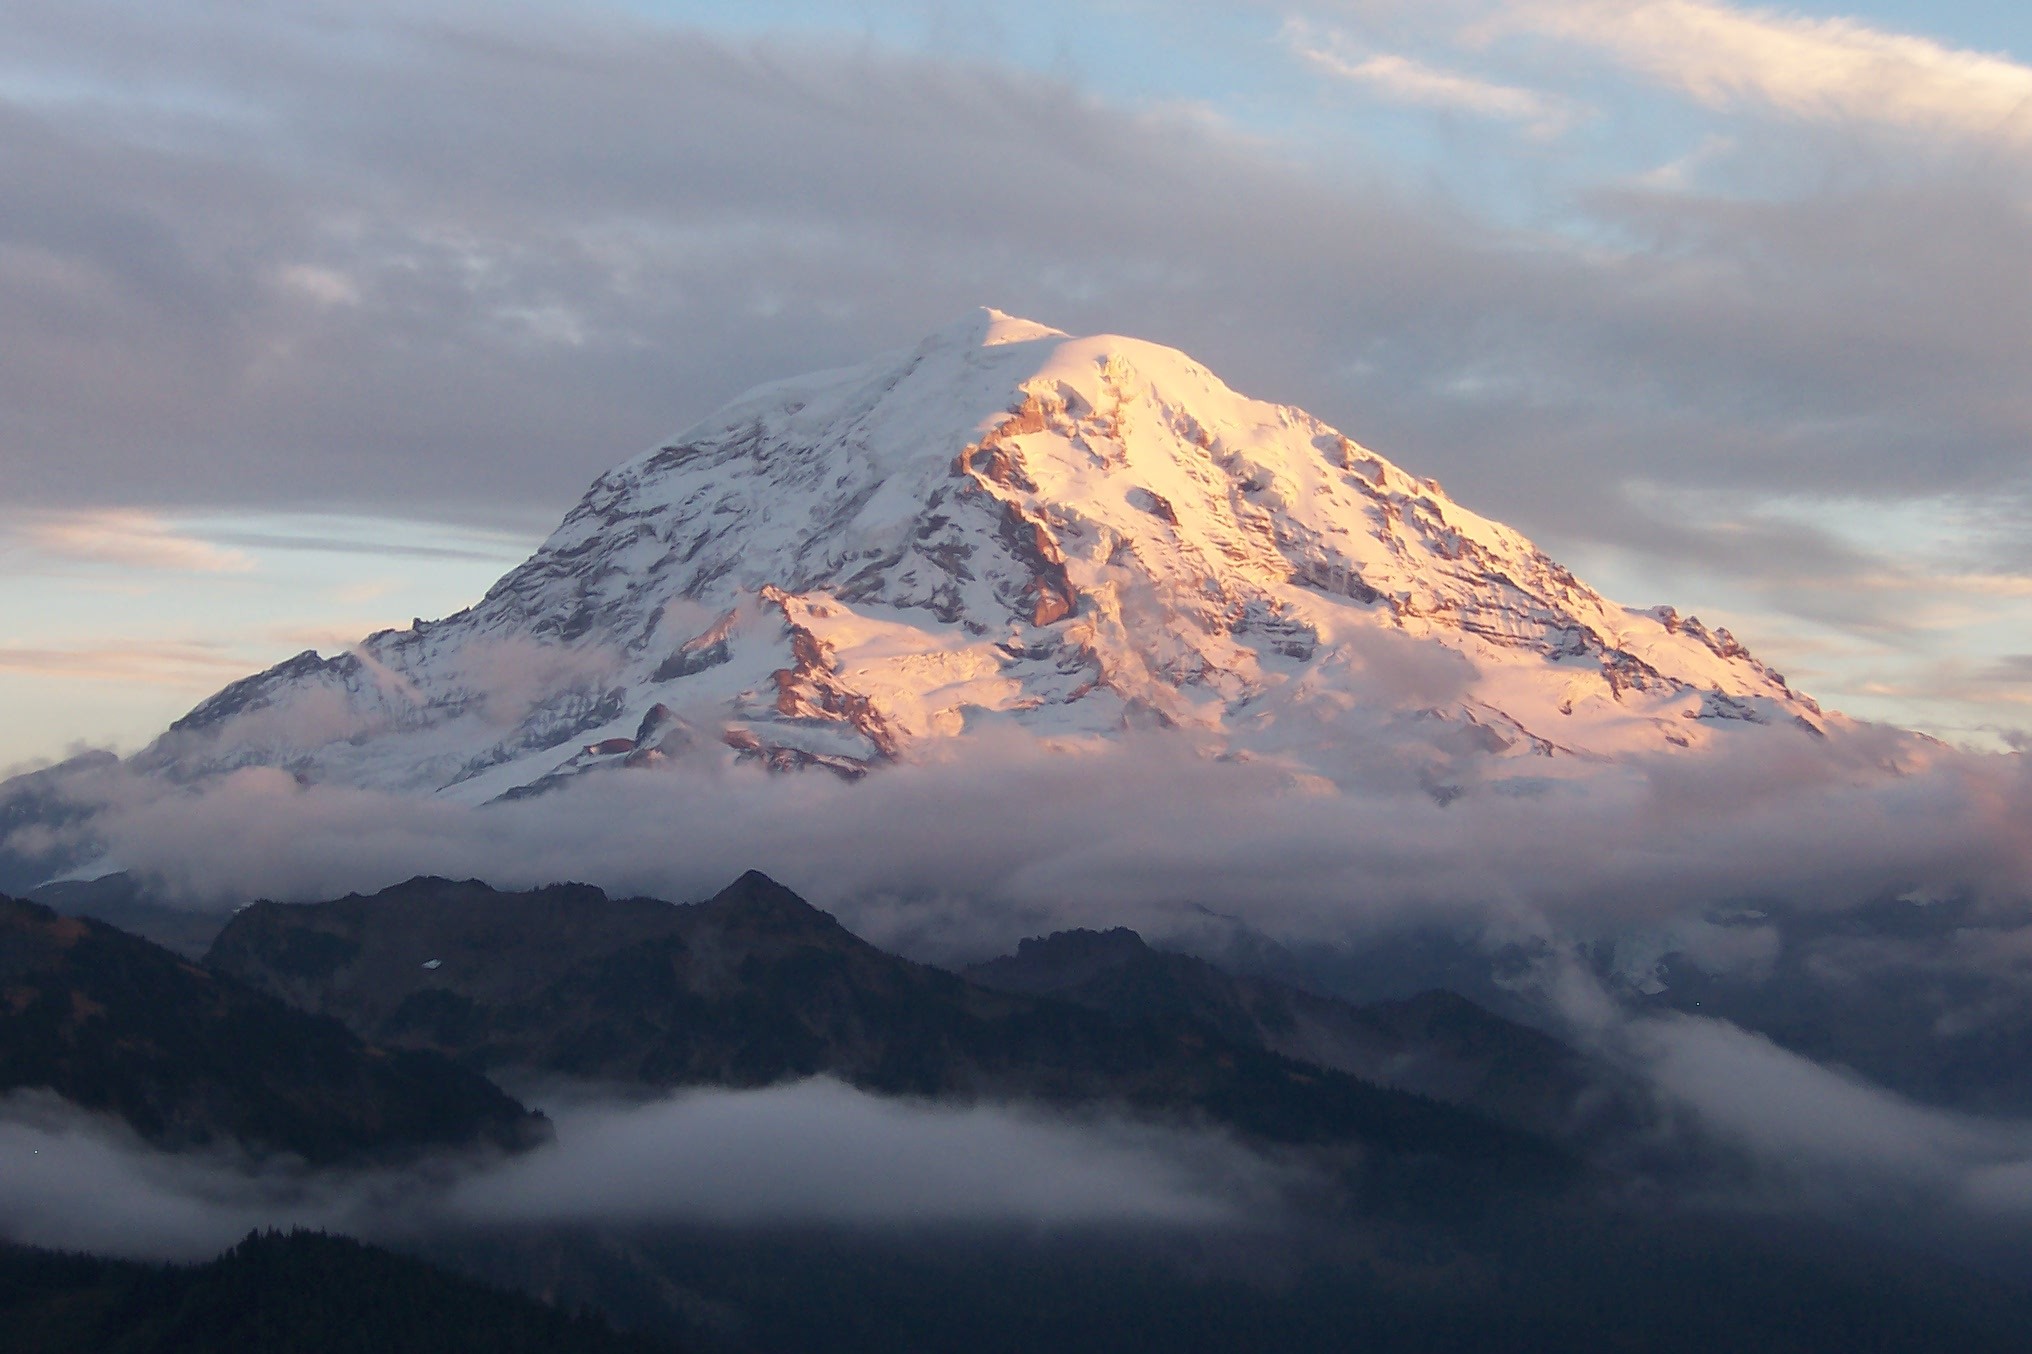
column 1891, row 870
column 807, row 1153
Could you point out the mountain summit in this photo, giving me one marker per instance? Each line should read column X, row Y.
column 1004, row 526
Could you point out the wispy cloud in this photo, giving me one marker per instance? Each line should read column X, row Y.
column 1833, row 70
column 1999, row 682
column 1809, row 1130
column 507, row 552
column 137, row 540
column 1406, row 80
column 144, row 663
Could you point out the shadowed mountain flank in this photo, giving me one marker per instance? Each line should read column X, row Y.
column 189, row 1057
column 121, row 900
column 755, row 986
column 1437, row 1044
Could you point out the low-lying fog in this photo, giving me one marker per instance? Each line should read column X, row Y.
column 960, row 857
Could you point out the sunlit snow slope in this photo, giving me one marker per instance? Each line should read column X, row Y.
column 1006, row 526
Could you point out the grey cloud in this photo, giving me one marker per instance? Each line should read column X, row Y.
column 2015, row 667
column 1794, row 1133
column 1810, row 1121
column 77, row 1181
column 548, row 242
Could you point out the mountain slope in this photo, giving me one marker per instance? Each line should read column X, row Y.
column 35, row 807
column 1435, row 1044
column 188, row 1057
column 1003, row 526
column 124, row 902
column 756, row 986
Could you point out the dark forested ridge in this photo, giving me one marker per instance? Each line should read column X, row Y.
column 300, row 1293
column 756, row 986
column 189, row 1057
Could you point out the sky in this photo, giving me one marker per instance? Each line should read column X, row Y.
column 316, row 317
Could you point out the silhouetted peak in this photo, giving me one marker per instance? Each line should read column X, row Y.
column 431, row 884
column 758, row 898
column 1118, row 943
column 1062, row 959
column 440, row 888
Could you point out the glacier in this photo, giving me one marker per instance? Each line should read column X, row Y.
column 1007, row 530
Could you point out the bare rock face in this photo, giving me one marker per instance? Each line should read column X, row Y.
column 1004, row 526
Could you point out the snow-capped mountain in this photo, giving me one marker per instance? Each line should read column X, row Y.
column 1005, row 526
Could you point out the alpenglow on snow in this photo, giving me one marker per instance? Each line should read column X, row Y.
column 1005, row 527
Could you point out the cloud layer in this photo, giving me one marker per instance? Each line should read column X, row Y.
column 401, row 245
column 809, row 1152
column 1002, row 839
